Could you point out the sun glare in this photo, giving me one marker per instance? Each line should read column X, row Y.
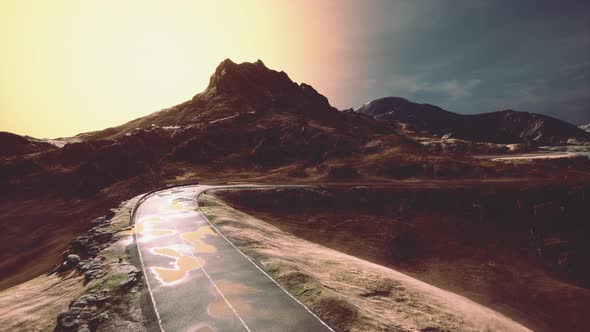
column 75, row 66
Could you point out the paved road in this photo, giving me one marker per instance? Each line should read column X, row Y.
column 199, row 281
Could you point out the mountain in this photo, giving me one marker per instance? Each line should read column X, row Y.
column 504, row 127
column 250, row 121
column 248, row 118
column 15, row 145
column 247, row 92
column 585, row 127
column 250, row 113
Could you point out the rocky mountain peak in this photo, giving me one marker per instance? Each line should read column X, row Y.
column 250, row 79
column 257, row 85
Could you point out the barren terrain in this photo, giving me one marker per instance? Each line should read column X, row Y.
column 517, row 249
column 351, row 294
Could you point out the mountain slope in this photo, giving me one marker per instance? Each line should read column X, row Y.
column 249, row 113
column 15, row 145
column 507, row 126
column 585, row 127
column 242, row 91
column 249, row 117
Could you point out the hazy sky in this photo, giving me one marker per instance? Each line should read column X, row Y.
column 479, row 56
column 70, row 66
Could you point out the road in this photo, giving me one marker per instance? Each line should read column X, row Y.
column 199, row 281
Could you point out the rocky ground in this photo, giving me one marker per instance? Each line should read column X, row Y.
column 97, row 286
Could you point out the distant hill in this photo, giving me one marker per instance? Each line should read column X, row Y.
column 585, row 127
column 507, row 126
column 16, row 145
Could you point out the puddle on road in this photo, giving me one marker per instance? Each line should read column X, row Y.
column 152, row 220
column 182, row 265
column 159, row 232
column 205, row 328
column 140, row 229
column 234, row 288
column 182, row 204
column 196, row 239
column 220, row 309
column 175, row 206
column 231, row 290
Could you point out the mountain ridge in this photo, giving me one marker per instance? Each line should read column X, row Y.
column 248, row 118
column 504, row 127
column 234, row 90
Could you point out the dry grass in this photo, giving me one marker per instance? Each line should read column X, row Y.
column 35, row 304
column 350, row 293
column 434, row 233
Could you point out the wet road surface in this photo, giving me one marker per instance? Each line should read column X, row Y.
column 199, row 281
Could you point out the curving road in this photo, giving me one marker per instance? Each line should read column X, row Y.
column 199, row 281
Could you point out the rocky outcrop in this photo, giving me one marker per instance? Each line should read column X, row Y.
column 90, row 310
column 455, row 145
column 112, row 283
column 81, row 316
column 84, row 248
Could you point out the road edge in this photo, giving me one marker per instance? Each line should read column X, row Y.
column 196, row 199
column 132, row 214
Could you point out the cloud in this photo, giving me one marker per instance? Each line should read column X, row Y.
column 451, row 88
column 456, row 89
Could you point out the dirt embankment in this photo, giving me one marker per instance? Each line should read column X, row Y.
column 518, row 249
column 349, row 293
column 97, row 287
column 37, row 226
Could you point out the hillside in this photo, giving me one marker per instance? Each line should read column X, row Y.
column 251, row 124
column 505, row 127
column 15, row 145
column 248, row 118
column 254, row 119
column 247, row 92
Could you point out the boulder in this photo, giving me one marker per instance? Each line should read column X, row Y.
column 72, row 260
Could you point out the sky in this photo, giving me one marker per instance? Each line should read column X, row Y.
column 70, row 66
column 482, row 56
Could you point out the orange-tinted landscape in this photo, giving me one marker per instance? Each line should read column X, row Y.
column 293, row 166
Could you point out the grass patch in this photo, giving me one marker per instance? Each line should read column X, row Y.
column 109, row 282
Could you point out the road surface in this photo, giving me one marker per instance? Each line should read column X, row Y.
column 199, row 281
